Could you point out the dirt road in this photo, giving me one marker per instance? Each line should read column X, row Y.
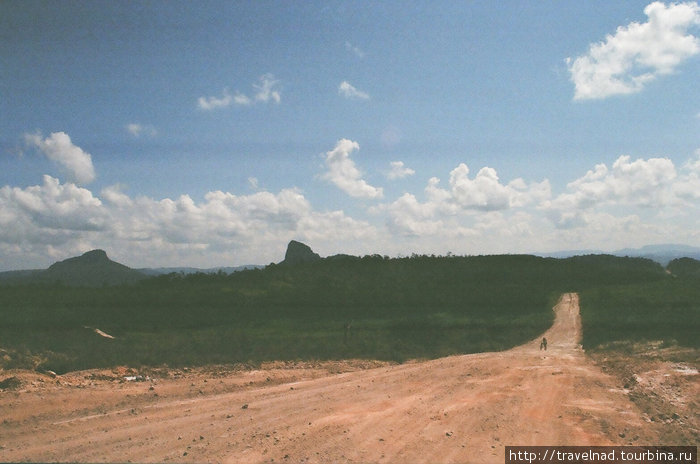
column 455, row 409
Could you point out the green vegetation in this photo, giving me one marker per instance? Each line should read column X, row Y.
column 666, row 310
column 396, row 309
column 685, row 268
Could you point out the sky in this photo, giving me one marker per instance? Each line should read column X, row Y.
column 177, row 133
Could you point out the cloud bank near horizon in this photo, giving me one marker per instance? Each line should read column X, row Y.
column 471, row 213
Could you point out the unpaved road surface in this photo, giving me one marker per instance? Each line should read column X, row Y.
column 458, row 409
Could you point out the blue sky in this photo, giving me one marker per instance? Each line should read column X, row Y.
column 212, row 133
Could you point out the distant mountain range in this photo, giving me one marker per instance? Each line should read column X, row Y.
column 155, row 271
column 662, row 254
column 94, row 268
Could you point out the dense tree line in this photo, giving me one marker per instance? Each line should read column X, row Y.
column 418, row 306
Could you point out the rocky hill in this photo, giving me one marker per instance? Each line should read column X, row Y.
column 298, row 253
column 91, row 269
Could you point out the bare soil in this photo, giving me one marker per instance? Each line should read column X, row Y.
column 663, row 382
column 462, row 409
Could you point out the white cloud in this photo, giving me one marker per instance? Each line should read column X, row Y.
column 645, row 183
column 144, row 231
column 399, row 171
column 485, row 192
column 629, row 202
column 58, row 219
column 114, row 196
column 49, row 213
column 693, row 164
column 243, row 100
column 354, row 50
column 59, row 148
column 251, row 227
column 460, row 209
column 348, row 91
column 137, row 130
column 342, row 172
column 651, row 183
column 408, row 216
column 212, row 103
column 608, row 232
column 637, row 53
column 265, row 91
column 687, row 188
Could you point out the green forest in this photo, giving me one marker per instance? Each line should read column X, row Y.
column 344, row 307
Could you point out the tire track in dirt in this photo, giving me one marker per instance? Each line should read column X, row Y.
column 456, row 409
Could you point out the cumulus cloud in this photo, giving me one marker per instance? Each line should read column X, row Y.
column 639, row 182
column 399, row 171
column 687, row 188
column 342, row 172
column 232, row 225
column 485, row 192
column 59, row 148
column 138, row 130
column 348, row 91
column 637, row 53
column 466, row 198
column 628, row 203
column 408, row 216
column 650, row 183
column 50, row 213
column 114, row 196
column 57, row 219
column 612, row 205
column 168, row 231
column 606, row 231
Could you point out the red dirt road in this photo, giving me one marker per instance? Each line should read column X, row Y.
column 455, row 409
